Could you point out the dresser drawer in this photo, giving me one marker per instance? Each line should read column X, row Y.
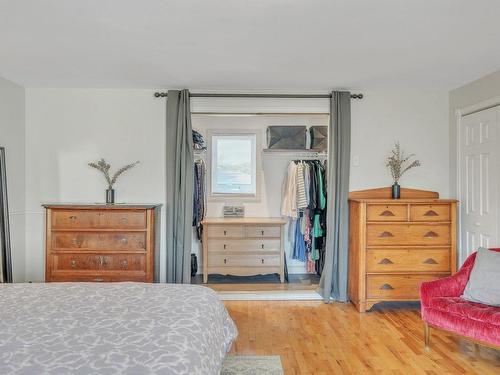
column 101, row 262
column 73, row 219
column 429, row 235
column 123, row 219
column 387, row 212
column 220, row 260
column 225, row 231
column 263, row 231
column 243, row 245
column 403, row 287
column 98, row 277
column 103, row 219
column 99, row 241
column 407, row 234
column 408, row 260
column 430, row 212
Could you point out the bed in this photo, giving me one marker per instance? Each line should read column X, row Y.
column 112, row 328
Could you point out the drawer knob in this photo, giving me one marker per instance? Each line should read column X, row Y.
column 386, row 261
column 431, row 213
column 124, row 241
column 387, row 213
column 73, row 263
column 72, row 217
column 262, row 261
column 386, row 287
column 430, row 261
column 125, row 263
column 431, row 234
column 262, row 245
column 102, row 261
column 225, row 260
column 224, row 246
column 224, row 233
column 124, row 220
column 262, row 232
column 386, row 234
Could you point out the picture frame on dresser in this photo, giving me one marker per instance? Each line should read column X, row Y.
column 5, row 245
column 396, row 244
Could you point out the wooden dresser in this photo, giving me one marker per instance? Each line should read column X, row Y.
column 101, row 242
column 396, row 244
column 243, row 246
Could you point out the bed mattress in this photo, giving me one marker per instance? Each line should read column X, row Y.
column 112, row 328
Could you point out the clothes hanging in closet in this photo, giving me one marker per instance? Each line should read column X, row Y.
column 304, row 201
column 199, row 199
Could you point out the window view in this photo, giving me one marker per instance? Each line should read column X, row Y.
column 234, row 164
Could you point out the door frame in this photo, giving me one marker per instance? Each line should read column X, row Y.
column 459, row 114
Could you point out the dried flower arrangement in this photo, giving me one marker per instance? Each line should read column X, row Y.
column 399, row 163
column 104, row 167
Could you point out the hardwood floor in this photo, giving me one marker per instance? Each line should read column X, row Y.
column 315, row 338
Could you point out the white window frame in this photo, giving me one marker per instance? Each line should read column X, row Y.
column 224, row 197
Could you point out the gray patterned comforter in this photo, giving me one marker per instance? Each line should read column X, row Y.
column 112, row 328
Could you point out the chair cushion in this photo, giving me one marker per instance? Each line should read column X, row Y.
column 484, row 280
column 478, row 321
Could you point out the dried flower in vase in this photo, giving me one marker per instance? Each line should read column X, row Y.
column 104, row 167
column 399, row 163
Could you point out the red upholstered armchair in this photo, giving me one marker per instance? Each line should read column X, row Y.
column 443, row 308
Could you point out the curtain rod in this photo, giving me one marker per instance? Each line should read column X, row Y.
column 270, row 96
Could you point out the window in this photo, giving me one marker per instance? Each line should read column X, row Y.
column 233, row 165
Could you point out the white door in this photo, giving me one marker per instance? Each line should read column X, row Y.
column 479, row 177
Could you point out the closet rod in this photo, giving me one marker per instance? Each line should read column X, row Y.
column 267, row 96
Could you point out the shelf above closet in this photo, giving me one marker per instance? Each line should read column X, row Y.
column 294, row 153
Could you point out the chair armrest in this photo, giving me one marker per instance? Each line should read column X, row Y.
column 451, row 286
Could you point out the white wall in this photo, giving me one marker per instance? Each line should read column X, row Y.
column 66, row 128
column 12, row 134
column 475, row 92
column 418, row 120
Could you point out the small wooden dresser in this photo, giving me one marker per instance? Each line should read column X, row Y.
column 396, row 244
column 90, row 242
column 243, row 246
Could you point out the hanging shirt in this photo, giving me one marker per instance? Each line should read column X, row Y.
column 299, row 249
column 289, row 192
column 307, row 181
column 301, row 189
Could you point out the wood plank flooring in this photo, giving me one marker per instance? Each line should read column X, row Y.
column 315, row 338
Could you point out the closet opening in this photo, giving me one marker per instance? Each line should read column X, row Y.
column 259, row 222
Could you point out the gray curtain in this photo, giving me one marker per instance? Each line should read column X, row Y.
column 179, row 175
column 333, row 283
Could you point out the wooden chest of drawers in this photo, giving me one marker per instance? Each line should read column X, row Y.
column 396, row 244
column 101, row 242
column 243, row 247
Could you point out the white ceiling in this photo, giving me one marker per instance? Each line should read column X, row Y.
column 294, row 45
